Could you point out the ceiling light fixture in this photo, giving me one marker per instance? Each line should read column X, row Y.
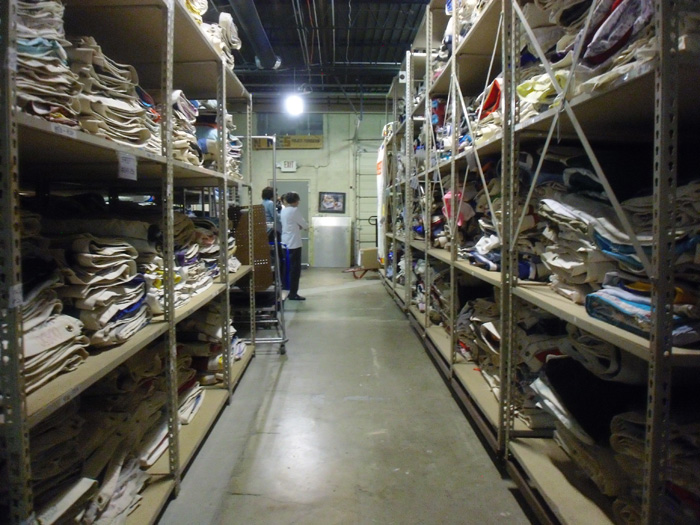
column 294, row 105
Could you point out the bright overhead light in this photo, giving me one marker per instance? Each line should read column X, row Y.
column 294, row 105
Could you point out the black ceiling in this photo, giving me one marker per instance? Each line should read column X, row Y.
column 331, row 47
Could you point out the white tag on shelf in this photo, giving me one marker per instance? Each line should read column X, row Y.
column 64, row 131
column 127, row 166
column 12, row 60
column 16, row 296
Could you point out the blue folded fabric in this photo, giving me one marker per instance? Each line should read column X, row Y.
column 625, row 252
column 616, row 307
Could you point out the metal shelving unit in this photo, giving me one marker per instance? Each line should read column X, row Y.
column 168, row 49
column 650, row 106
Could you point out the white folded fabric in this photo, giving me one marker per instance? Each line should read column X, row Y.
column 67, row 503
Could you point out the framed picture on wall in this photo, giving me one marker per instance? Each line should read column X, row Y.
column 331, row 202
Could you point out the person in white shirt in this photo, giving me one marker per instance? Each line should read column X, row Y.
column 292, row 224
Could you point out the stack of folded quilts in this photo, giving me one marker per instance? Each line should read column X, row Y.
column 189, row 390
column 619, row 39
column 185, row 147
column 201, row 339
column 207, row 238
column 153, row 122
column 208, row 142
column 537, row 336
column 143, row 236
column 584, row 404
column 484, row 250
column 603, row 359
column 109, row 104
column 234, row 154
column 121, row 413
column 53, row 342
column 224, row 37
column 46, row 86
column 196, row 9
column 440, row 61
column 625, row 302
column 468, row 13
column 60, row 489
column 192, row 274
column 478, row 339
column 682, row 499
column 103, row 286
column 570, row 253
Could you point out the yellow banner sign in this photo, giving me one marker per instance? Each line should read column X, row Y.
column 291, row 142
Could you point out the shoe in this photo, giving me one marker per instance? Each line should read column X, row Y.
column 296, row 298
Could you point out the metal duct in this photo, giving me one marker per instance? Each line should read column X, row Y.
column 248, row 20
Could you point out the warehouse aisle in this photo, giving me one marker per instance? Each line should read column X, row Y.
column 354, row 425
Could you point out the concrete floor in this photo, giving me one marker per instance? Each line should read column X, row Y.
column 353, row 426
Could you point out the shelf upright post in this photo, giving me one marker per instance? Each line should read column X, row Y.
column 666, row 21
column 454, row 149
column 409, row 163
column 169, row 244
column 13, row 407
column 248, row 152
column 429, row 145
column 393, row 183
column 222, row 201
column 509, row 178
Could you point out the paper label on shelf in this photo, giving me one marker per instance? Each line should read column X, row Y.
column 697, row 254
column 12, row 60
column 64, row 131
column 127, row 166
column 16, row 296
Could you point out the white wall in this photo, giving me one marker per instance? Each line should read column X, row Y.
column 327, row 169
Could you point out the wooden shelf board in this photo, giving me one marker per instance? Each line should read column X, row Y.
column 626, row 106
column 417, row 315
column 196, row 63
column 478, row 389
column 547, row 299
column 142, row 20
column 400, row 129
column 441, row 340
column 44, row 142
column 183, row 170
column 493, row 278
column 240, row 366
column 191, row 436
column 65, row 387
column 474, row 52
column 242, row 272
column 440, row 254
column 198, row 301
column 155, row 496
column 389, row 235
column 418, row 245
column 571, row 498
column 416, row 111
column 95, row 160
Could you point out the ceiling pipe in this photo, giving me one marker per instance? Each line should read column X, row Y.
column 248, row 20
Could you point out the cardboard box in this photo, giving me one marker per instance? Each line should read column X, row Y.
column 368, row 258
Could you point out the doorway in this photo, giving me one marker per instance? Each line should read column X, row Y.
column 302, row 188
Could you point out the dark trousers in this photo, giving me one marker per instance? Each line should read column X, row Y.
column 280, row 253
column 294, row 270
